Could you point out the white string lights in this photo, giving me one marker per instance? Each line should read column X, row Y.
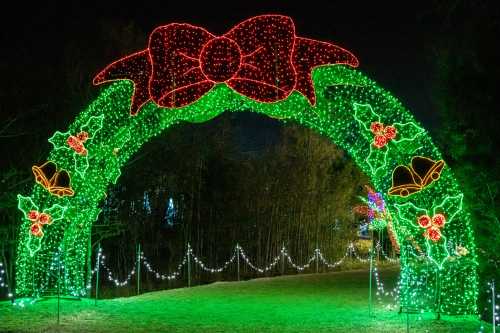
column 156, row 274
column 273, row 263
column 394, row 293
column 297, row 267
column 213, row 270
column 110, row 274
column 356, row 255
column 238, row 251
column 386, row 257
column 2, row 273
column 3, row 284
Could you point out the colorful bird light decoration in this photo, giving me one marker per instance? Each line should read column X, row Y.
column 373, row 208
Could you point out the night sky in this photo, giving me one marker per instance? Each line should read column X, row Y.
column 389, row 41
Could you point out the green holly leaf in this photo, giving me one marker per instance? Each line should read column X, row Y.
column 93, row 125
column 58, row 140
column 56, row 212
column 34, row 244
column 407, row 132
column 409, row 213
column 450, row 207
column 437, row 251
column 365, row 116
column 25, row 204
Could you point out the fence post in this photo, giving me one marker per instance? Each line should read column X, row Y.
column 58, row 286
column 317, row 258
column 493, row 307
column 238, row 260
column 97, row 266
column 138, row 268
column 283, row 259
column 371, row 273
column 189, row 264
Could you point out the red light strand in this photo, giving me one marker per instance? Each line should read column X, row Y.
column 260, row 58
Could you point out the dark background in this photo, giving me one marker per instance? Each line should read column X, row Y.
column 391, row 41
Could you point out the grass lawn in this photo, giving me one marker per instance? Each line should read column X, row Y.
column 330, row 302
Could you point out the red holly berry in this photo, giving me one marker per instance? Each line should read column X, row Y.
column 80, row 148
column 433, row 234
column 44, row 218
column 438, row 220
column 377, row 127
column 82, row 136
column 36, row 230
column 379, row 141
column 424, row 221
column 390, row 132
column 72, row 141
column 33, row 215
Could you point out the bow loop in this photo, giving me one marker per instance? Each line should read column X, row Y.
column 176, row 74
column 266, row 73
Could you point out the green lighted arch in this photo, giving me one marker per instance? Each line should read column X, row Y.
column 347, row 104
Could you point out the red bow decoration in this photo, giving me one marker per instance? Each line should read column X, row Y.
column 383, row 134
column 37, row 221
column 76, row 143
column 432, row 226
column 260, row 58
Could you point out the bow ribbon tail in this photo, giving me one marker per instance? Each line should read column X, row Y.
column 308, row 54
column 136, row 68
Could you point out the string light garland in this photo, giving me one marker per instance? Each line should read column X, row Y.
column 204, row 267
column 158, row 275
column 263, row 67
column 238, row 250
column 3, row 284
column 338, row 262
column 381, row 290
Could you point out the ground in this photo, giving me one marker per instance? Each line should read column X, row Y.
column 329, row 302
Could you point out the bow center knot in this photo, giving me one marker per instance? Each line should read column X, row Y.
column 220, row 59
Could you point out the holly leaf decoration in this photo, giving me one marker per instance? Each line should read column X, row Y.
column 403, row 137
column 450, row 207
column 93, row 125
column 365, row 116
column 408, row 213
column 56, row 212
column 25, row 204
column 407, row 132
column 59, row 141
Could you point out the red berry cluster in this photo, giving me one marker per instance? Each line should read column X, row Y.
column 76, row 143
column 37, row 221
column 432, row 226
column 383, row 134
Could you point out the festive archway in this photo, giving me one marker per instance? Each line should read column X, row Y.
column 189, row 75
